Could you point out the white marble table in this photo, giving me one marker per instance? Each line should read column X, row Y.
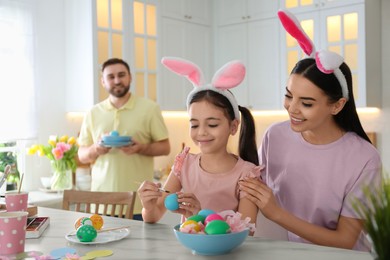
column 157, row 241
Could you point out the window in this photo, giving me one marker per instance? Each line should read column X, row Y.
column 17, row 87
column 17, row 104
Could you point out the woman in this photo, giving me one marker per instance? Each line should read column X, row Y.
column 317, row 162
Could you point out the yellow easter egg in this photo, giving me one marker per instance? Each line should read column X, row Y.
column 97, row 221
column 191, row 223
column 79, row 222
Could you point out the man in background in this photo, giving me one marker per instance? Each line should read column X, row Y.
column 122, row 168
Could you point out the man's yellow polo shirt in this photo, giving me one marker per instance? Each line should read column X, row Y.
column 139, row 118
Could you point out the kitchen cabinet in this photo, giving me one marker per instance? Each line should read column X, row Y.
column 194, row 11
column 349, row 28
column 81, row 86
column 238, row 11
column 188, row 40
column 256, row 44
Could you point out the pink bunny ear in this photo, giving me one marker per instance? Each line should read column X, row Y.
column 184, row 68
column 229, row 76
column 293, row 27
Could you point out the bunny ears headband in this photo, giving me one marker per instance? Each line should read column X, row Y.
column 227, row 77
column 327, row 62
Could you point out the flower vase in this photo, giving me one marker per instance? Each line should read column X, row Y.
column 62, row 177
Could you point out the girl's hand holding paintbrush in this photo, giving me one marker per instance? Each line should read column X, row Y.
column 149, row 193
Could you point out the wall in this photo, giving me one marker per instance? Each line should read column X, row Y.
column 50, row 61
column 385, row 133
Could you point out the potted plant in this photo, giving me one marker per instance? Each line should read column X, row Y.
column 377, row 219
column 9, row 158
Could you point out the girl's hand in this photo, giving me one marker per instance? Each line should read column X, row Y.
column 189, row 204
column 260, row 194
column 149, row 193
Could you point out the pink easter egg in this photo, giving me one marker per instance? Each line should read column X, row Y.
column 212, row 217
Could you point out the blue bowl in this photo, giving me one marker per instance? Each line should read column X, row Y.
column 202, row 244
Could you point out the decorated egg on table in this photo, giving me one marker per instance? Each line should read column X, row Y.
column 197, row 218
column 190, row 225
column 171, row 202
column 206, row 212
column 211, row 217
column 217, row 227
column 86, row 233
column 80, row 221
column 97, row 221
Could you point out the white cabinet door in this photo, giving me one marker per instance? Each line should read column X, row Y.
column 256, row 44
column 263, row 80
column 195, row 11
column 238, row 11
column 232, row 45
column 81, row 86
column 188, row 41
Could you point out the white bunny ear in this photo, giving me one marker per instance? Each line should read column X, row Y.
column 293, row 27
column 229, row 76
column 184, row 68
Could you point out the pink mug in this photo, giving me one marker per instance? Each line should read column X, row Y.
column 12, row 232
column 15, row 201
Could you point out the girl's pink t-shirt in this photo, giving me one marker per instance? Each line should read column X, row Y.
column 217, row 192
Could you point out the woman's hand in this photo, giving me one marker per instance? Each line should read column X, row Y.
column 260, row 194
column 189, row 204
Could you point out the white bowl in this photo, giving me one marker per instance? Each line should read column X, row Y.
column 46, row 182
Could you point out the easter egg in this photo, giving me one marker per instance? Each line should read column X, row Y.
column 79, row 222
column 211, row 217
column 86, row 233
column 114, row 133
column 197, row 218
column 217, row 227
column 86, row 221
column 206, row 212
column 171, row 202
column 97, row 221
column 191, row 224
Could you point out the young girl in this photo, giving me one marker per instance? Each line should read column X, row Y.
column 209, row 180
column 317, row 163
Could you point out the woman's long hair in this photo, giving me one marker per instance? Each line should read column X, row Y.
column 347, row 119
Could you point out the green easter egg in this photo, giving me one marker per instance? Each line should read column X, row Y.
column 86, row 233
column 197, row 218
column 217, row 227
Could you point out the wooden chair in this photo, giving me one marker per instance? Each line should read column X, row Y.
column 114, row 204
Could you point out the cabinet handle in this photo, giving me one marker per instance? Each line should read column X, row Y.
column 189, row 17
column 248, row 17
column 243, row 18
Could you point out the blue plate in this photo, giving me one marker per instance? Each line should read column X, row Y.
column 115, row 144
column 112, row 138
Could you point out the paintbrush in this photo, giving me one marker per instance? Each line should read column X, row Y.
column 159, row 189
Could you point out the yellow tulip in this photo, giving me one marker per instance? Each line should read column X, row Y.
column 32, row 150
column 64, row 138
column 40, row 152
column 72, row 140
